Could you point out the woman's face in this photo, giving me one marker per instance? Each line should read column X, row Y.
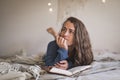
column 67, row 32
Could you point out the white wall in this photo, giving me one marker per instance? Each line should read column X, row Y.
column 103, row 23
column 23, row 24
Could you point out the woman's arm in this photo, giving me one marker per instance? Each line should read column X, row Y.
column 54, row 54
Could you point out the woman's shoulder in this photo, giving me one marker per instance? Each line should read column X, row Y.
column 52, row 43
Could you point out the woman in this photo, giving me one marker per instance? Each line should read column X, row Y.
column 71, row 48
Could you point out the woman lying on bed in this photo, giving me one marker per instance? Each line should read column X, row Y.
column 71, row 47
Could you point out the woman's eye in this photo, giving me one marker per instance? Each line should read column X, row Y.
column 71, row 31
column 64, row 29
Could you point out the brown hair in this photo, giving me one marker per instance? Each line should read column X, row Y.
column 82, row 47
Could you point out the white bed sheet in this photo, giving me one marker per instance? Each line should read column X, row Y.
column 100, row 71
column 106, row 66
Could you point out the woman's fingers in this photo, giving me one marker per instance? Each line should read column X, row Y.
column 62, row 64
column 62, row 42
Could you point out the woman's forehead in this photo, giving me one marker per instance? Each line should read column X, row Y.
column 69, row 25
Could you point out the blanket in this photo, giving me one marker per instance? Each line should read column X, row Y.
column 106, row 66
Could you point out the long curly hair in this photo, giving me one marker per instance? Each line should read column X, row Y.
column 82, row 47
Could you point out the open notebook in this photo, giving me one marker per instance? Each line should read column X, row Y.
column 69, row 72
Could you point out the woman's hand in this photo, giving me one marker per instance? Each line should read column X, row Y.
column 62, row 43
column 62, row 65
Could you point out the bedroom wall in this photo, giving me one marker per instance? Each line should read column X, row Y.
column 102, row 21
column 23, row 24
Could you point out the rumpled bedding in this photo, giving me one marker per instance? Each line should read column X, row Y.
column 106, row 66
column 100, row 71
column 12, row 72
column 21, row 68
column 15, row 71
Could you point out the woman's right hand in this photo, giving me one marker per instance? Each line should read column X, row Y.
column 61, row 42
column 62, row 65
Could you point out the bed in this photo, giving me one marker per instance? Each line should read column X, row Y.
column 106, row 66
